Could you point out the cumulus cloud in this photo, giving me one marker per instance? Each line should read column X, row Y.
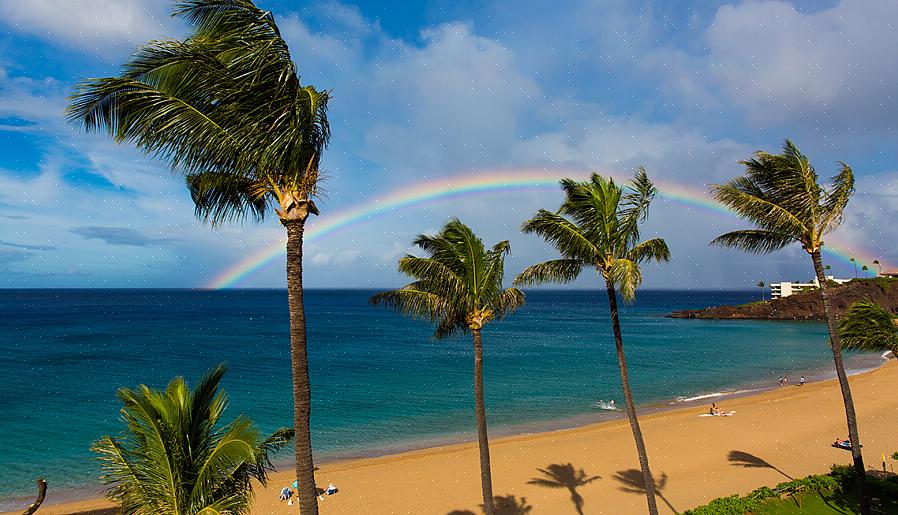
column 822, row 67
column 103, row 27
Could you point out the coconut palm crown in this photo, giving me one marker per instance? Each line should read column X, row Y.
column 867, row 326
column 780, row 195
column 459, row 286
column 597, row 227
column 224, row 107
column 175, row 456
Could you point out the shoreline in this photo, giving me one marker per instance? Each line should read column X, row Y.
column 89, row 499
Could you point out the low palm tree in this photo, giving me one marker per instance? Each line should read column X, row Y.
column 761, row 286
column 864, row 269
column 867, row 326
column 878, row 267
column 597, row 228
column 175, row 456
column 780, row 195
column 225, row 108
column 459, row 287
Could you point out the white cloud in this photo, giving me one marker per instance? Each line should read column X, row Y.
column 103, row 27
column 819, row 68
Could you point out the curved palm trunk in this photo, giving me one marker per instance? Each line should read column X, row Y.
column 835, row 342
column 647, row 478
column 486, row 477
column 307, row 493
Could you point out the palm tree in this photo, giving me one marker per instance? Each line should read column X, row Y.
column 855, row 266
column 565, row 476
column 878, row 266
column 176, row 457
column 459, row 287
column 780, row 195
column 225, row 108
column 761, row 286
column 869, row 327
column 864, row 269
column 597, row 228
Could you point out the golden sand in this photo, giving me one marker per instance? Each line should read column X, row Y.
column 773, row 436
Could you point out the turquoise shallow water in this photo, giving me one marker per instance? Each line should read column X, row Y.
column 380, row 383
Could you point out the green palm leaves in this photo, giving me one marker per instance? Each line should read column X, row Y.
column 597, row 226
column 176, row 458
column 869, row 327
column 458, row 286
column 225, row 102
column 780, row 196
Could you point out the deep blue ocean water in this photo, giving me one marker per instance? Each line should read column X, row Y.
column 379, row 382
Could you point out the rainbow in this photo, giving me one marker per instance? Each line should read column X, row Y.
column 503, row 181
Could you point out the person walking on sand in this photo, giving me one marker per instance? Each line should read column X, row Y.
column 781, row 381
column 801, row 381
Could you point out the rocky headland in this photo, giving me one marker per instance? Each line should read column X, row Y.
column 807, row 305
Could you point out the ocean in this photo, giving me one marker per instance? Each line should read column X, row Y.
column 380, row 383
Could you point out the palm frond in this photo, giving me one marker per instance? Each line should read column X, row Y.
column 747, row 200
column 554, row 271
column 626, row 277
column 869, row 327
column 654, row 249
column 635, row 207
column 836, row 199
column 507, row 302
column 753, row 240
column 223, row 197
column 413, row 301
column 570, row 240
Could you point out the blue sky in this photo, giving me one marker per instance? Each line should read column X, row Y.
column 436, row 90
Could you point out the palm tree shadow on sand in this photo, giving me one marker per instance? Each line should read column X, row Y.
column 565, row 476
column 631, row 481
column 746, row 460
column 503, row 505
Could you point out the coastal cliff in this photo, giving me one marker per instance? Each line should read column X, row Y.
column 806, row 305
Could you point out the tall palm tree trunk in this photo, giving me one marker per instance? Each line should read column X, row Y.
column 647, row 478
column 835, row 343
column 486, row 477
column 307, row 493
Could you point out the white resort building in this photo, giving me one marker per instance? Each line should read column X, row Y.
column 784, row 289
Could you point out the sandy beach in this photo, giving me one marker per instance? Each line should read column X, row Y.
column 782, row 433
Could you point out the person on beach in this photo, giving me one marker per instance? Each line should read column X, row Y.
column 286, row 493
column 782, row 383
column 801, row 381
column 611, row 404
column 785, row 379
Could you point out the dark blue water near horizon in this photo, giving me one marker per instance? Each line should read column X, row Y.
column 379, row 381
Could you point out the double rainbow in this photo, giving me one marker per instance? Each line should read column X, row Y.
column 503, row 181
